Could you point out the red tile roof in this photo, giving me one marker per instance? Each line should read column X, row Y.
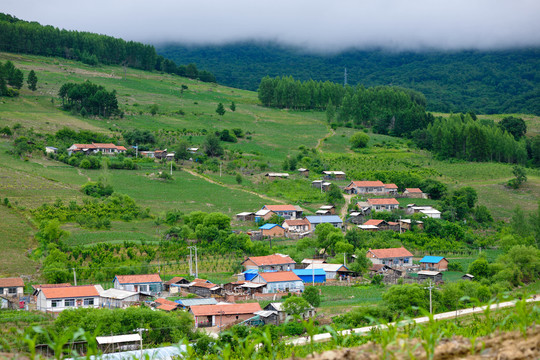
column 413, row 190
column 389, row 201
column 280, row 207
column 166, row 307
column 163, row 301
column 393, row 223
column 225, row 309
column 45, row 286
column 174, row 280
column 196, row 280
column 104, row 146
column 70, row 292
column 297, row 222
column 367, row 183
column 11, row 282
column 121, row 148
column 275, row 259
column 391, row 253
column 390, row 186
column 374, row 222
column 204, row 285
column 137, row 279
column 280, row 276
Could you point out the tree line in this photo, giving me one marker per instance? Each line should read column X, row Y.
column 388, row 109
column 14, row 78
column 88, row 98
column 461, row 137
column 19, row 36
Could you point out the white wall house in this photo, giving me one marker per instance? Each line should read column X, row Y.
column 391, row 257
column 70, row 297
column 281, row 281
column 149, row 284
column 11, row 287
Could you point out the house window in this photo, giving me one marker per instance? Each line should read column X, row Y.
column 12, row 290
column 143, row 288
column 406, row 260
column 89, row 301
column 69, row 302
column 56, row 303
column 1, row 290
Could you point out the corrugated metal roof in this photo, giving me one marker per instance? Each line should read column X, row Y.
column 309, row 272
column 192, row 302
column 428, row 273
column 328, row 267
column 117, row 294
column 324, row 219
column 432, row 259
column 116, row 339
column 268, row 226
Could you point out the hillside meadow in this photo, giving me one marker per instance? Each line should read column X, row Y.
column 271, row 136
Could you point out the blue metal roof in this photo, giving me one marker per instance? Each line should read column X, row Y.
column 268, row 226
column 431, row 259
column 191, row 302
column 251, row 271
column 324, row 219
column 309, row 272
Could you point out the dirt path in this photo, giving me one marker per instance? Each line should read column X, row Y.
column 80, row 173
column 231, row 187
column 319, row 142
column 343, row 211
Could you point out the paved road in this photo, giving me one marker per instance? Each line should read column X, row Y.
column 420, row 320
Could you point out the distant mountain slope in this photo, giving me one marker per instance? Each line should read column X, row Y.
column 484, row 81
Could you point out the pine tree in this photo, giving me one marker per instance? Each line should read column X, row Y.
column 220, row 109
column 32, row 80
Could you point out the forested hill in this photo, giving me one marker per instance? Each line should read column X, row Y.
column 483, row 81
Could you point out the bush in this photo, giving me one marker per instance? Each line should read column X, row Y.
column 97, row 189
column 359, row 140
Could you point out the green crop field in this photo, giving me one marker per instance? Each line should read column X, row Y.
column 271, row 135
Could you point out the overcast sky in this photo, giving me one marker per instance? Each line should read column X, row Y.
column 313, row 24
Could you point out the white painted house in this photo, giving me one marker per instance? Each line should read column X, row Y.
column 70, row 297
column 11, row 287
column 281, row 281
column 149, row 284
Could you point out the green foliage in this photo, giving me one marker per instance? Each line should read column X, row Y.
column 220, row 110
column 97, row 189
column 93, row 98
column 520, row 177
column 359, row 140
column 295, row 306
column 334, row 195
column 212, row 146
column 312, row 296
column 402, row 298
column 32, row 80
column 233, row 106
column 514, row 126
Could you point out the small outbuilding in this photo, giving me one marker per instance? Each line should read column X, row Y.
column 438, row 263
column 435, row 276
column 311, row 275
column 245, row 216
column 304, row 172
column 272, row 230
column 467, row 277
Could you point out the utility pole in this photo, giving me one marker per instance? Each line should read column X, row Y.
column 191, row 261
column 196, row 264
column 171, row 168
column 219, row 169
column 345, row 259
column 140, row 330
column 430, row 287
column 221, row 312
column 74, row 277
column 137, row 151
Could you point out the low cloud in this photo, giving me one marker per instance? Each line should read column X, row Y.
column 314, row 25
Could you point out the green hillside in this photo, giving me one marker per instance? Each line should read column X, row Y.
column 271, row 135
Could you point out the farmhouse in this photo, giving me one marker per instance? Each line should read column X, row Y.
column 426, row 210
column 277, row 262
column 174, row 281
column 288, row 212
column 331, row 209
column 435, row 276
column 320, row 184
column 70, row 297
column 333, row 271
column 438, row 263
column 391, row 189
column 296, row 226
column 304, row 172
column 414, row 193
column 366, row 187
column 186, row 304
column 204, row 288
column 408, row 224
column 222, row 314
column 383, row 204
column 51, row 150
column 377, row 224
column 337, row 175
column 165, row 305
column 150, row 284
column 272, row 230
column 282, row 316
column 94, row 148
column 330, row 219
column 392, row 257
column 264, row 215
column 115, row 298
column 245, row 216
column 11, row 287
column 280, row 281
column 311, row 275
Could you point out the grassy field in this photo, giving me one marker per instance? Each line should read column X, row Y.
column 271, row 136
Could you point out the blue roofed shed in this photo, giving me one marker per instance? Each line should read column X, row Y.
column 322, row 219
column 438, row 263
column 272, row 230
column 307, row 275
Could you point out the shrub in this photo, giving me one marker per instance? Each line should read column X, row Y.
column 359, row 140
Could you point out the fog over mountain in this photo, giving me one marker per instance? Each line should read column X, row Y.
column 321, row 26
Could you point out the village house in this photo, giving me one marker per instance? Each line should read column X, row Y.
column 304, row 172
column 116, row 298
column 414, row 193
column 281, row 281
column 70, row 297
column 277, row 262
column 288, row 212
column 204, row 289
column 325, row 219
column 147, row 154
column 272, row 230
column 438, row 263
column 150, row 284
column 425, row 210
column 320, row 184
column 378, row 224
column 366, row 187
column 160, row 154
column 313, row 261
column 165, row 305
column 408, row 224
column 333, row 271
column 388, row 204
column 390, row 189
column 223, row 314
column 186, row 304
column 435, row 276
column 274, row 176
column 392, row 257
column 330, row 209
column 264, row 215
column 380, row 269
column 51, row 150
column 311, row 275
column 245, row 216
column 174, row 281
column 296, row 226
column 11, row 287
column 94, row 148
column 336, row 175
